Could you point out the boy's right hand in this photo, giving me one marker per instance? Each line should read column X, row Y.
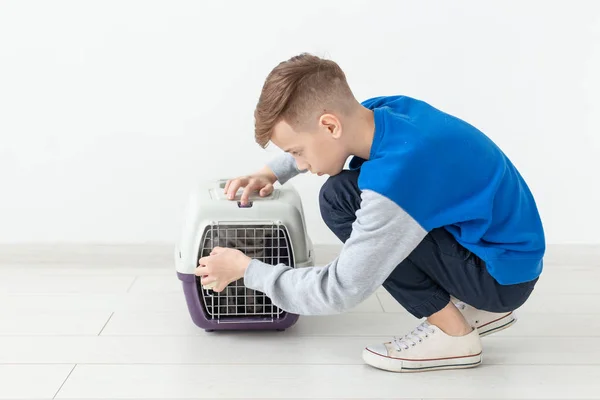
column 262, row 182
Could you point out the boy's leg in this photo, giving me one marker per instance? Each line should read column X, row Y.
column 463, row 275
column 437, row 268
column 408, row 284
column 338, row 200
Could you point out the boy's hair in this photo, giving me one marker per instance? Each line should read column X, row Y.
column 299, row 90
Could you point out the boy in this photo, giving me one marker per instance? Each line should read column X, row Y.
column 430, row 208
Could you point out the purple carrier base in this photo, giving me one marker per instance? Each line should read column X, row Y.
column 199, row 317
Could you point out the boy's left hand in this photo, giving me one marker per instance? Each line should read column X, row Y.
column 222, row 266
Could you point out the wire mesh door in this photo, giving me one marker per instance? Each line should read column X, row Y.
column 268, row 243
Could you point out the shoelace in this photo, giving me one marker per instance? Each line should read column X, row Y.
column 416, row 336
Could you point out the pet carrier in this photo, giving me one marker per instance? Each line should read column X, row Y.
column 271, row 229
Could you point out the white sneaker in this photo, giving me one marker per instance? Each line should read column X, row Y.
column 426, row 348
column 486, row 322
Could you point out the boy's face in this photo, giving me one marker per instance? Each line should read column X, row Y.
column 319, row 151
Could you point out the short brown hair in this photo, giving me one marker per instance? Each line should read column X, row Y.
column 298, row 88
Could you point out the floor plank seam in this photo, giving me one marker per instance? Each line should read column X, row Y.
column 107, row 321
column 380, row 302
column 293, row 363
column 132, row 283
column 333, row 335
column 61, row 386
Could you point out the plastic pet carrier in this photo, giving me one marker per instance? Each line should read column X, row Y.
column 271, row 229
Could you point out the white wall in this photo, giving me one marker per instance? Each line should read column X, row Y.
column 111, row 110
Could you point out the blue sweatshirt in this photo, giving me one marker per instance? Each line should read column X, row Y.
column 427, row 169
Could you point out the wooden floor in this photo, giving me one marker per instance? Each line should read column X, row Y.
column 110, row 322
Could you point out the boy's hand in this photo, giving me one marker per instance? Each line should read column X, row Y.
column 222, row 267
column 262, row 182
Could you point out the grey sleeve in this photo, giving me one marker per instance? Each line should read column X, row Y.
column 284, row 167
column 383, row 235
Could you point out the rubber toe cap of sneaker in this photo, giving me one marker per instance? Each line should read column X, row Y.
column 378, row 349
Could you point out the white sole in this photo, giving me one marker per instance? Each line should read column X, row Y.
column 506, row 321
column 407, row 365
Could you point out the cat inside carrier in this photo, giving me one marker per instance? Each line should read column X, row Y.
column 271, row 229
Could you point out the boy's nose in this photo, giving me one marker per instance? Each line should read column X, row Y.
column 302, row 165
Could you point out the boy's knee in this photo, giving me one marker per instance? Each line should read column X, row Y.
column 334, row 188
column 339, row 198
column 327, row 196
column 340, row 193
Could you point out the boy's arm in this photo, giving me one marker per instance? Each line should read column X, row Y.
column 281, row 168
column 382, row 236
column 284, row 167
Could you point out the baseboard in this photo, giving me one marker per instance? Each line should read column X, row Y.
column 162, row 253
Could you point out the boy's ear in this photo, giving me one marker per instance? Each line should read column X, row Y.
column 331, row 124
